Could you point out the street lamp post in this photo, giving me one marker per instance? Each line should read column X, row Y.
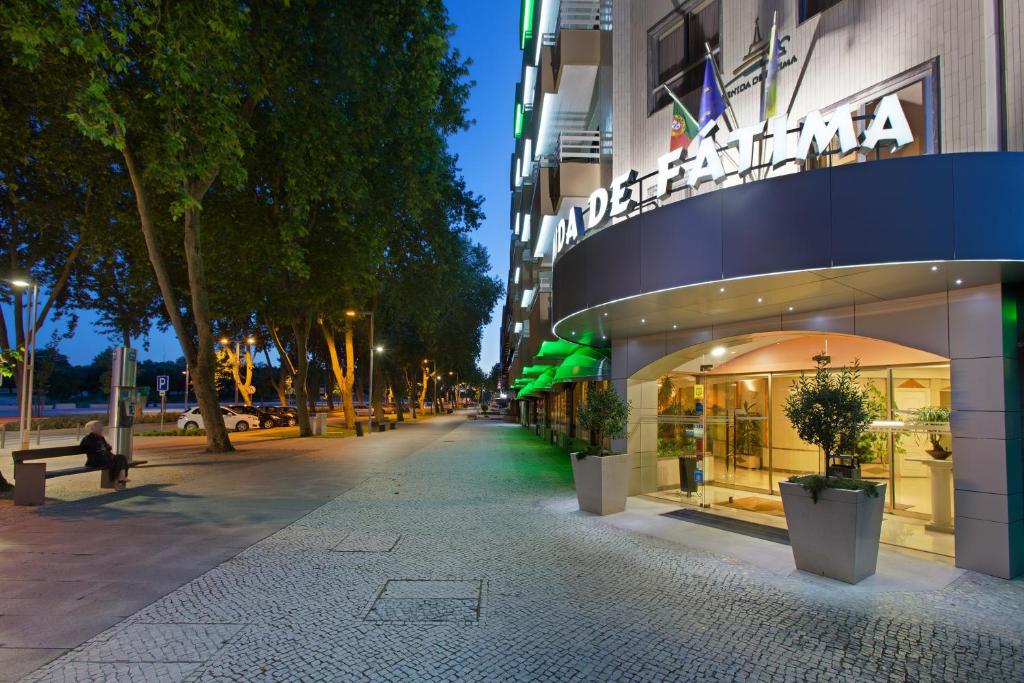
column 28, row 363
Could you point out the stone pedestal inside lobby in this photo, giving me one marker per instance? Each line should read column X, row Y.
column 940, row 475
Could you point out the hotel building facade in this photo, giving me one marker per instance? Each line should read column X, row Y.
column 701, row 302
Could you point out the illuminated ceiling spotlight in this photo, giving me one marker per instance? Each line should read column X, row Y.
column 718, row 351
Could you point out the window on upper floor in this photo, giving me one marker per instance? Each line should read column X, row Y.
column 917, row 90
column 808, row 8
column 676, row 50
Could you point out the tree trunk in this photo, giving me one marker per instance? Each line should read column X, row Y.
column 217, row 440
column 201, row 359
column 423, row 388
column 343, row 379
column 301, row 329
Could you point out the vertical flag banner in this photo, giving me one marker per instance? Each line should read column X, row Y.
column 684, row 126
column 771, row 81
column 712, row 104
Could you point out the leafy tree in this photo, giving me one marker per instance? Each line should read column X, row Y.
column 603, row 414
column 170, row 87
column 829, row 409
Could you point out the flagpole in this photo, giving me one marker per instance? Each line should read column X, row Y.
column 721, row 88
column 772, row 38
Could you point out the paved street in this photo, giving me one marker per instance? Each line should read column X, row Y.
column 453, row 551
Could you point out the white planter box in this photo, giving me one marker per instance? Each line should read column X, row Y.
column 602, row 482
column 837, row 536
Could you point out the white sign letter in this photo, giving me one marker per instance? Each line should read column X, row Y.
column 819, row 132
column 743, row 140
column 598, row 207
column 889, row 124
column 667, row 171
column 559, row 237
column 622, row 194
column 708, row 165
column 779, row 126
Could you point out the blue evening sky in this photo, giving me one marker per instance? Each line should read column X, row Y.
column 487, row 32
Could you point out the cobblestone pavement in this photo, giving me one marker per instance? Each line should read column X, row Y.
column 467, row 561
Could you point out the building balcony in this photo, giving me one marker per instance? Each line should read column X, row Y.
column 574, row 170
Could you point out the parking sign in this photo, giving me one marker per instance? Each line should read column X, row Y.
column 163, row 382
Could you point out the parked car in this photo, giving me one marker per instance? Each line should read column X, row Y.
column 289, row 415
column 192, row 419
column 267, row 419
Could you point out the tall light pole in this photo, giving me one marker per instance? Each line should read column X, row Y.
column 352, row 314
column 28, row 362
column 457, row 397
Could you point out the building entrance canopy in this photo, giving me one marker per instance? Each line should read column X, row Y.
column 795, row 244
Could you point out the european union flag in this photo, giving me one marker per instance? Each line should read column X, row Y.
column 712, row 104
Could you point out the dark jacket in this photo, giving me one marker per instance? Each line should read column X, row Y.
column 98, row 452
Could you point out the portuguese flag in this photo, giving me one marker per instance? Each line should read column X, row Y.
column 684, row 126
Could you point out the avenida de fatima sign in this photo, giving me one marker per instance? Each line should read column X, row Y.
column 815, row 134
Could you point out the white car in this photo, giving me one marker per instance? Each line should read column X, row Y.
column 192, row 419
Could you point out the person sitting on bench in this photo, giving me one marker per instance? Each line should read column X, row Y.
column 100, row 454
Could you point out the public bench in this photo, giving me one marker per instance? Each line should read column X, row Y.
column 30, row 477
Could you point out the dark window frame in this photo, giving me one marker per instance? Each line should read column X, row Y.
column 664, row 27
column 802, row 12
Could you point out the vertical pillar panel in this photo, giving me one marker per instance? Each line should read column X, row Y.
column 987, row 465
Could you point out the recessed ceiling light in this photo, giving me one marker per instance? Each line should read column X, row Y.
column 959, row 281
column 791, row 308
column 934, row 268
column 732, row 353
column 760, row 300
column 574, row 333
column 718, row 351
column 721, row 289
column 675, row 327
column 606, row 314
column 604, row 336
column 643, row 321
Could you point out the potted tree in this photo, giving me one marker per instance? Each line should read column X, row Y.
column 932, row 416
column 602, row 477
column 834, row 522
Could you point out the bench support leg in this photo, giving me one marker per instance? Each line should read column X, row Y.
column 105, row 481
column 29, row 483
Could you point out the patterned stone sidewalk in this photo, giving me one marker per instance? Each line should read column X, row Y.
column 466, row 562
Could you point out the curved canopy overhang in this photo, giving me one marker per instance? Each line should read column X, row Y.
column 788, row 246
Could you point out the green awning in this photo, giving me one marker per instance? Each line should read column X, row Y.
column 534, row 370
column 555, row 351
column 526, row 391
column 521, row 382
column 584, row 365
column 545, row 381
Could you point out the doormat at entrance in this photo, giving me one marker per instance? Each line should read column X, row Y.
column 736, row 526
column 755, row 504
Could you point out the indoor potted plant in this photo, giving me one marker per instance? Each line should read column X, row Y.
column 601, row 477
column 932, row 416
column 834, row 522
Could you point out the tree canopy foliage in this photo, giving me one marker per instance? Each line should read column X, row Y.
column 277, row 170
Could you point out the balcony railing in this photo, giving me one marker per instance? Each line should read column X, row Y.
column 579, row 145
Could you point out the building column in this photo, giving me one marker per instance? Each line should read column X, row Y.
column 988, row 476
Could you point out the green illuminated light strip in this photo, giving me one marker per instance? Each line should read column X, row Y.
column 519, row 120
column 526, row 24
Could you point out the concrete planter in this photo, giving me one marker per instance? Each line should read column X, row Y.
column 837, row 536
column 602, row 482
